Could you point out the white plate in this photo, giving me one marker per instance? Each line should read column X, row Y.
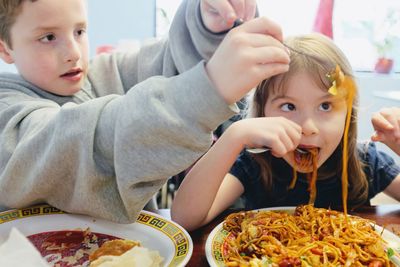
column 216, row 239
column 153, row 231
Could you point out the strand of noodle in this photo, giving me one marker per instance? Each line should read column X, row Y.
column 294, row 179
column 350, row 86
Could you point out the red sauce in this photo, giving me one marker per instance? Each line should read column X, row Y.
column 68, row 248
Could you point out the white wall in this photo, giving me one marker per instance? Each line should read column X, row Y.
column 115, row 20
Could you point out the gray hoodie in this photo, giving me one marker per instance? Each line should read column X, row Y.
column 105, row 151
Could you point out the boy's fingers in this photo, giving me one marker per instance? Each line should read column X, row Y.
column 250, row 9
column 263, row 25
column 261, row 40
column 223, row 8
column 269, row 70
column 239, row 8
column 270, row 54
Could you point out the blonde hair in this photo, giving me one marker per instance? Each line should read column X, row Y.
column 320, row 46
column 9, row 10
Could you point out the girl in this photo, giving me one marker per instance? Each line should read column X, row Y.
column 289, row 111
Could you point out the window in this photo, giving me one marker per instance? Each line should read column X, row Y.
column 363, row 31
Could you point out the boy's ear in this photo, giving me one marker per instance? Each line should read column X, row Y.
column 4, row 53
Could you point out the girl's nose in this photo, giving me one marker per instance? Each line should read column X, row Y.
column 309, row 127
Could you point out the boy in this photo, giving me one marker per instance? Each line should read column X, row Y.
column 102, row 140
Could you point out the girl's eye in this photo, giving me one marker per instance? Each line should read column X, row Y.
column 326, row 106
column 48, row 38
column 288, row 107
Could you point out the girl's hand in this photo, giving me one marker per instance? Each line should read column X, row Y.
column 280, row 134
column 249, row 54
column 386, row 123
column 219, row 15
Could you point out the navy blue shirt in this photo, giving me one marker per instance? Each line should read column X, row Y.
column 380, row 170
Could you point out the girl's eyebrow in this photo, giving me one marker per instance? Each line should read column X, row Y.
column 278, row 97
column 325, row 97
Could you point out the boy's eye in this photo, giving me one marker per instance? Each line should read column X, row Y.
column 288, row 107
column 48, row 38
column 80, row 32
column 326, row 106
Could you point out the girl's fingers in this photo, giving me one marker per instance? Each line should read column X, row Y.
column 278, row 149
column 377, row 137
column 381, row 123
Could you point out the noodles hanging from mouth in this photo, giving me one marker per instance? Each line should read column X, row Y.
column 303, row 161
column 309, row 237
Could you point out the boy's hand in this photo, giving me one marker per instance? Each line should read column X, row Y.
column 386, row 123
column 219, row 15
column 249, row 54
column 280, row 134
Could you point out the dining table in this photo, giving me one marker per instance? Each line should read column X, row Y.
column 387, row 216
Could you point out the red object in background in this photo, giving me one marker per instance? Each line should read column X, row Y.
column 384, row 65
column 323, row 20
column 104, row 49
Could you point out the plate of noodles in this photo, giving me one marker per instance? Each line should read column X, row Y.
column 68, row 239
column 299, row 236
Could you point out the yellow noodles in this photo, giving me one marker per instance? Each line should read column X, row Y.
column 310, row 237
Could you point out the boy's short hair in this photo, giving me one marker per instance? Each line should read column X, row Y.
column 9, row 10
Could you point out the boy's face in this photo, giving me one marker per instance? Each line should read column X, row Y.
column 50, row 45
column 321, row 115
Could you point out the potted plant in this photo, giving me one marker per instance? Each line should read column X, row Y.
column 384, row 39
column 384, row 62
column 383, row 35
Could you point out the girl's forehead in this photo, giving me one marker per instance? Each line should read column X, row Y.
column 301, row 83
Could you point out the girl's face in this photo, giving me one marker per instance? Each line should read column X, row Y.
column 321, row 115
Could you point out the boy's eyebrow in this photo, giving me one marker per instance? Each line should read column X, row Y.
column 39, row 28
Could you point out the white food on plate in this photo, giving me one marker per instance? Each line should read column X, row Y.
column 135, row 257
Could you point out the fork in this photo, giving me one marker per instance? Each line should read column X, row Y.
column 265, row 149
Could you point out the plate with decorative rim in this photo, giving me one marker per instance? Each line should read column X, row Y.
column 43, row 223
column 217, row 238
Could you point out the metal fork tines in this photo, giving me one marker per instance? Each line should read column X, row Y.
column 318, row 59
column 265, row 149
